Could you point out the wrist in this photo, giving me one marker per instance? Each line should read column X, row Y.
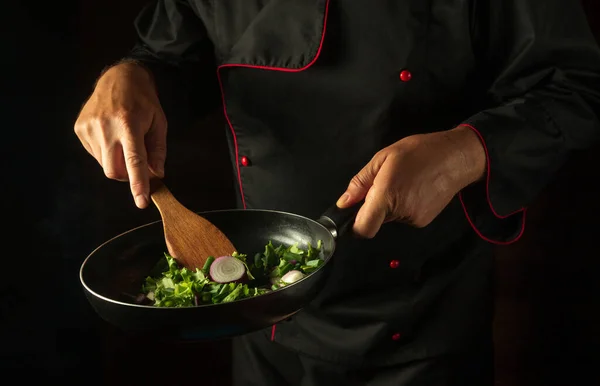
column 130, row 71
column 127, row 68
column 470, row 157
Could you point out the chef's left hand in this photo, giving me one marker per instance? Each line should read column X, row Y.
column 414, row 179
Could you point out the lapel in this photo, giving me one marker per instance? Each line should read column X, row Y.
column 275, row 34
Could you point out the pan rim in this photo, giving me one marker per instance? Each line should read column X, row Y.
column 117, row 302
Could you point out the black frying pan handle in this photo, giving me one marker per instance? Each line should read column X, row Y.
column 337, row 220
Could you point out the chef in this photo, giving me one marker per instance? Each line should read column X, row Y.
column 446, row 117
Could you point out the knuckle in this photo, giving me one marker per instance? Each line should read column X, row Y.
column 135, row 160
column 115, row 175
column 79, row 126
column 384, row 195
column 358, row 180
column 85, row 128
column 82, row 127
column 100, row 129
column 381, row 153
column 101, row 122
column 125, row 117
column 373, row 194
column 128, row 115
column 137, row 185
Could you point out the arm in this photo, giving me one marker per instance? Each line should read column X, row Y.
column 174, row 46
column 122, row 124
column 544, row 67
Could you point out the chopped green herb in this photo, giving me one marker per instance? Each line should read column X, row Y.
column 181, row 287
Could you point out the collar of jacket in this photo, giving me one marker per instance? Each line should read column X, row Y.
column 281, row 34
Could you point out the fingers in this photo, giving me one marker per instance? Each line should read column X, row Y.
column 371, row 215
column 84, row 132
column 113, row 162
column 361, row 183
column 367, row 185
column 136, row 163
column 156, row 145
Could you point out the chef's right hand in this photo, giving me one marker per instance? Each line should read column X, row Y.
column 123, row 126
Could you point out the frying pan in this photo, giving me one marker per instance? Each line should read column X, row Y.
column 112, row 275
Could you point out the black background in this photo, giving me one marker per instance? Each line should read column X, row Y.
column 58, row 207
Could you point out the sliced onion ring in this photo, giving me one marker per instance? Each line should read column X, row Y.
column 227, row 269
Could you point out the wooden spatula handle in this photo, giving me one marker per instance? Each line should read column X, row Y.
column 162, row 196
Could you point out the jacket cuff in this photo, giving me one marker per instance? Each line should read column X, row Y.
column 486, row 221
column 140, row 55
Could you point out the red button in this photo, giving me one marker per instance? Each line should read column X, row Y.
column 245, row 161
column 405, row 76
column 394, row 264
column 396, row 336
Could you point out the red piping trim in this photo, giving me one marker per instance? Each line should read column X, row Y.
column 487, row 182
column 281, row 69
column 487, row 192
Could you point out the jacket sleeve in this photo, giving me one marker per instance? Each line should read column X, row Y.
column 172, row 42
column 543, row 66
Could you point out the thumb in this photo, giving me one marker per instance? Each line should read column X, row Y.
column 360, row 184
column 156, row 145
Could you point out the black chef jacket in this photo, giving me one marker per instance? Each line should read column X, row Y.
column 312, row 89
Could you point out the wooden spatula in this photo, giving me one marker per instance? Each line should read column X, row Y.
column 190, row 238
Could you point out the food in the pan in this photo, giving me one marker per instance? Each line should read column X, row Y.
column 229, row 278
